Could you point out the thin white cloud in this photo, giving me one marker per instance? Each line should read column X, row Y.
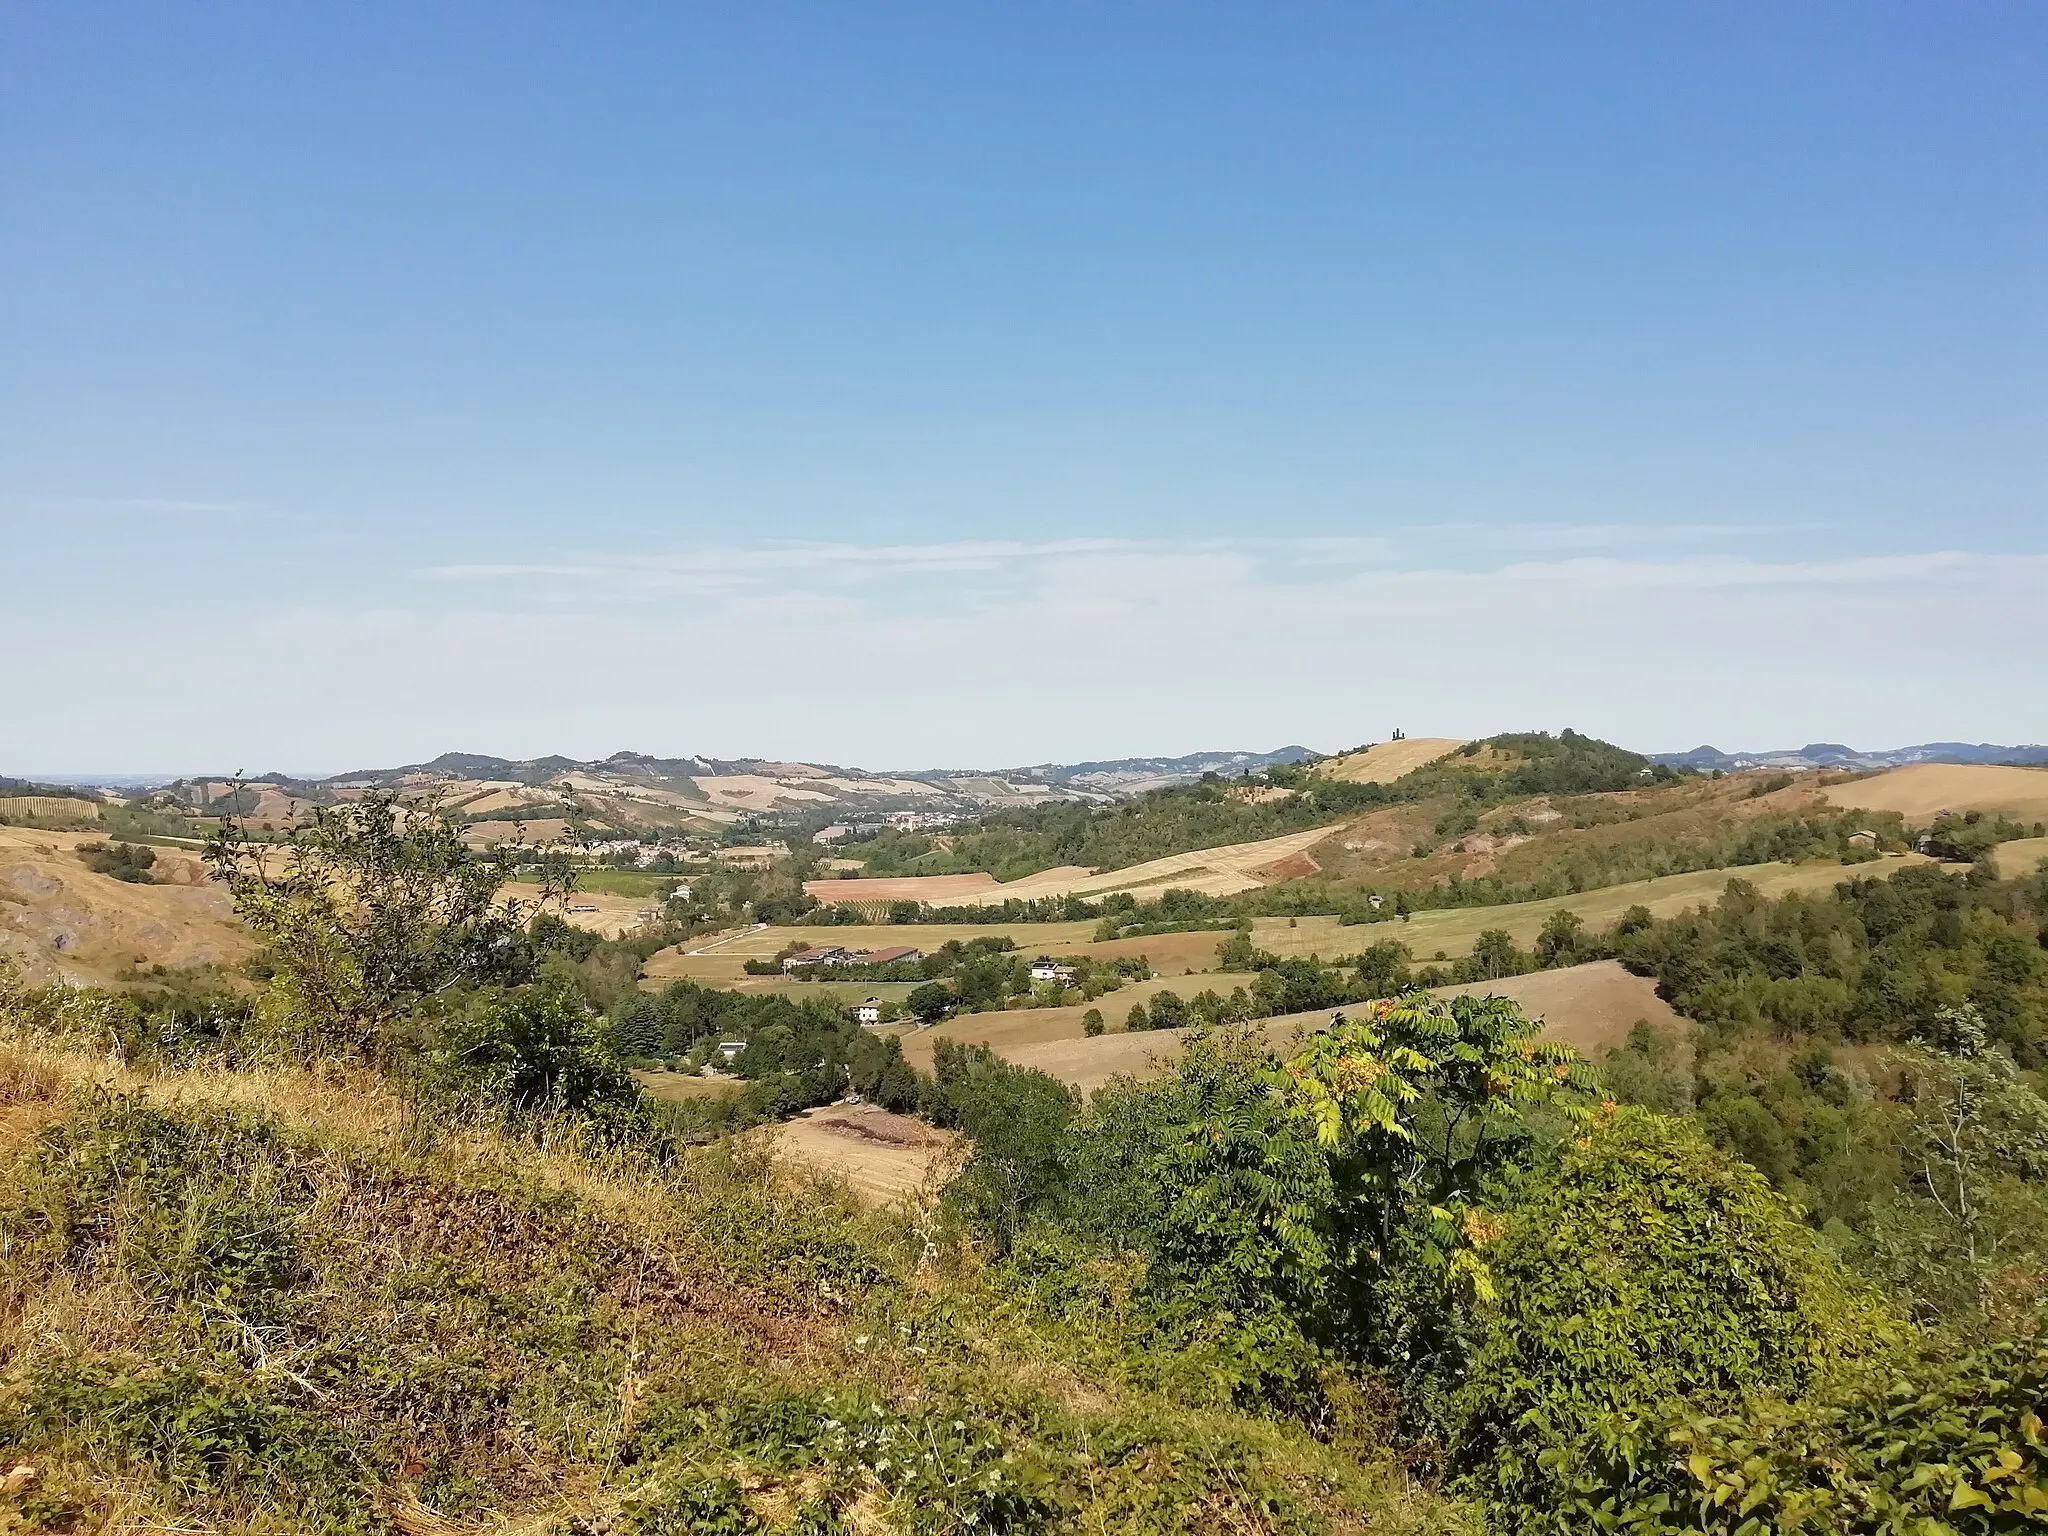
column 1017, row 651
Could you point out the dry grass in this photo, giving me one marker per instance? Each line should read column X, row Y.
column 1013, row 1028
column 59, row 920
column 612, row 916
column 881, row 1156
column 1388, row 760
column 2021, row 857
column 1169, row 954
column 1220, row 871
column 1921, row 790
column 680, row 1087
column 1454, row 930
column 1589, row 1007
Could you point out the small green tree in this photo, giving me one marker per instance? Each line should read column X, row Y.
column 1644, row 1268
column 1561, row 940
column 930, row 1002
column 370, row 907
column 1168, row 1011
column 1974, row 1138
column 1091, row 1022
column 1137, row 1020
column 1419, row 1102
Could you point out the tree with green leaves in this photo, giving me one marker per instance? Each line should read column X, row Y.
column 370, row 907
column 930, row 1002
column 1419, row 1101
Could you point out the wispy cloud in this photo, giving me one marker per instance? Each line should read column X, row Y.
column 993, row 651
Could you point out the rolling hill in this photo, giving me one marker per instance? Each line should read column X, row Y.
column 1924, row 790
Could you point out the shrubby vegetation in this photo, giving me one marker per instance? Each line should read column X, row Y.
column 124, row 861
column 395, row 1240
column 1209, row 814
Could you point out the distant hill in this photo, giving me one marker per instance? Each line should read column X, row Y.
column 1829, row 754
column 1113, row 777
column 1135, row 775
column 629, row 793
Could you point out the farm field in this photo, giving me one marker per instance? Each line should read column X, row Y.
column 1455, row 929
column 20, row 808
column 883, row 1156
column 1920, row 790
column 847, row 992
column 1170, row 954
column 2022, row 857
column 607, row 914
column 1590, row 1007
column 719, row 960
column 1220, row 871
column 678, row 1087
column 1388, row 760
column 1014, row 1027
column 60, row 921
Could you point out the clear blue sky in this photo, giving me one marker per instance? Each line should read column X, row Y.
column 961, row 383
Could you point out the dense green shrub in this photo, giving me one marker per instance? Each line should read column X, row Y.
column 536, row 1049
column 1938, row 1441
column 1644, row 1269
column 131, row 862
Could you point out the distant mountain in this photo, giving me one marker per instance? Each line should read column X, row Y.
column 1830, row 754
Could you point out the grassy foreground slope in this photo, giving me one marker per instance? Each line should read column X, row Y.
column 279, row 1300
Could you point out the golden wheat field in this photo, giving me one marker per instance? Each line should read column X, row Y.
column 1920, row 791
column 1388, row 760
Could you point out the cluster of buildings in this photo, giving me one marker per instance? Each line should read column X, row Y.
column 821, row 955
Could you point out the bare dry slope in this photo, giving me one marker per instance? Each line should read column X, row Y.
column 1388, row 760
column 881, row 1155
column 1921, row 790
column 60, row 921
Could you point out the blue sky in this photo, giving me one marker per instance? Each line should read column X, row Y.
column 903, row 384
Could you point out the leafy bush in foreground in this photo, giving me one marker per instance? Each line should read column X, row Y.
column 1643, row 1269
